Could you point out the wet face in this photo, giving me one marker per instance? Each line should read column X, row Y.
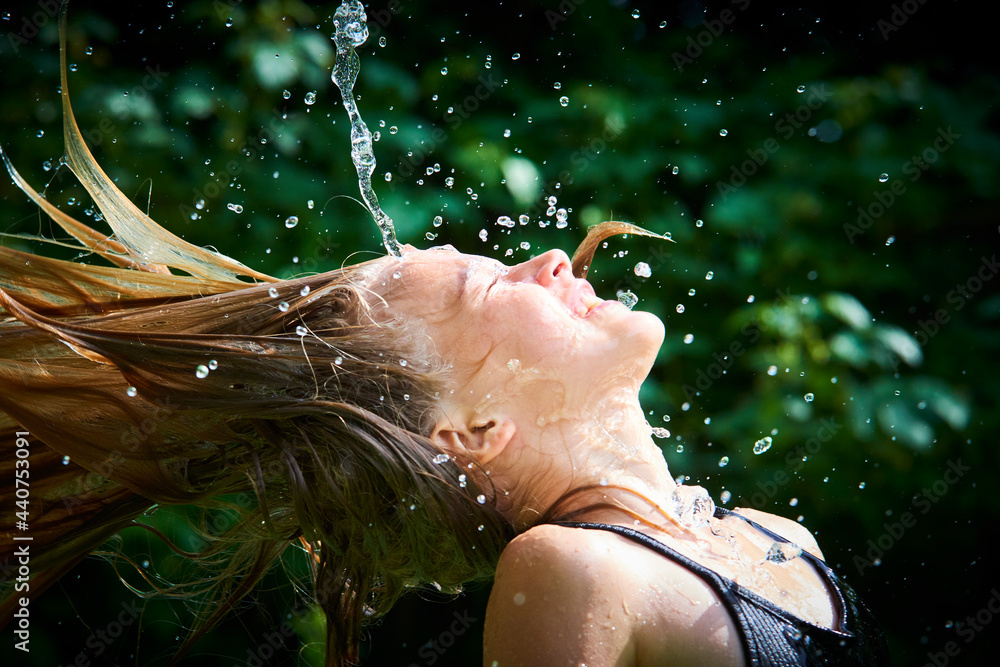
column 529, row 334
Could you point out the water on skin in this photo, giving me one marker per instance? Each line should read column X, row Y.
column 351, row 31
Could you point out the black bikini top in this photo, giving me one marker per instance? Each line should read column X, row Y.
column 771, row 636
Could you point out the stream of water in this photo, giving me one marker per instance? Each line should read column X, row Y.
column 351, row 31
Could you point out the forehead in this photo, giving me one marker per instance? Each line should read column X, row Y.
column 438, row 280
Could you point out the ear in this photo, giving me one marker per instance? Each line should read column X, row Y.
column 480, row 439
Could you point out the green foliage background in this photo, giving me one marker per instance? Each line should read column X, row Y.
column 888, row 324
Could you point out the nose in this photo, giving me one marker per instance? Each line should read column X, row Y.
column 546, row 269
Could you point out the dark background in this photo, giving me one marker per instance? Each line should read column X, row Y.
column 890, row 322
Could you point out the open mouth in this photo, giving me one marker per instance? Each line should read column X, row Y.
column 589, row 302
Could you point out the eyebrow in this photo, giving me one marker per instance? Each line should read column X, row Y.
column 498, row 272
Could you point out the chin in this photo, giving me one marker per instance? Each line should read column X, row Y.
column 638, row 340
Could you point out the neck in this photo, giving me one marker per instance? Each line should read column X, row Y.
column 604, row 454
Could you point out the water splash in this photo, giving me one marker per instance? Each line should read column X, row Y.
column 351, row 31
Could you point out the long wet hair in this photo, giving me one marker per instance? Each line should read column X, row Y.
column 288, row 403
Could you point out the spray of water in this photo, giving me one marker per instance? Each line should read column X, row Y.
column 351, row 31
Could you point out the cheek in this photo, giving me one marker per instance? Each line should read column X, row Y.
column 542, row 337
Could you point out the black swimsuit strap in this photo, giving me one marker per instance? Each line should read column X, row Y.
column 748, row 610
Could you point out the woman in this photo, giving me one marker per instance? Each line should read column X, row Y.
column 402, row 420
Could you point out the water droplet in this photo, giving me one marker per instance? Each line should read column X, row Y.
column 235, row 208
column 723, row 132
column 692, row 292
column 505, row 221
column 762, row 445
column 861, row 485
column 562, row 218
column 291, row 221
column 660, row 432
column 481, row 499
column 272, row 292
column 441, row 458
column 782, row 552
column 310, row 98
column 338, row 361
column 772, row 371
column 688, row 339
column 131, row 391
column 680, row 308
column 628, row 299
column 699, row 223
column 402, row 362
column 800, row 89
column 438, row 220
column 557, row 85
column 444, row 71
column 286, row 94
column 883, row 177
column 461, row 481
column 676, row 170
column 515, row 56
column 709, row 275
column 301, row 330
column 212, row 364
column 201, row 371
column 514, row 365
column 724, row 461
column 483, row 234
column 809, row 397
column 381, row 41
column 525, row 245
column 564, row 101
column 635, row 13
column 229, row 22
column 889, row 241
column 642, row 270
column 283, row 306
column 523, row 219
column 506, row 133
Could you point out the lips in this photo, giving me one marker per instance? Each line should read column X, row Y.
column 584, row 299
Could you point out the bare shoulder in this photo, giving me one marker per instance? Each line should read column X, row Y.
column 790, row 530
column 554, row 561
column 549, row 582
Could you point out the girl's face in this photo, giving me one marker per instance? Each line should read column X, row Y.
column 514, row 333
